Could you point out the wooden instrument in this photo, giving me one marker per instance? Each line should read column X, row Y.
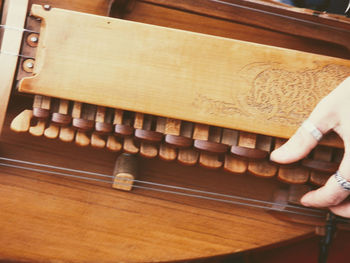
column 147, row 90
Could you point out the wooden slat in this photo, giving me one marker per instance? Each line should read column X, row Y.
column 11, row 42
column 216, row 81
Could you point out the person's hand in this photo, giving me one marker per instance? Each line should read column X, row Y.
column 331, row 113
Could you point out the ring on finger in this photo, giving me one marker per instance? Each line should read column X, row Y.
column 312, row 130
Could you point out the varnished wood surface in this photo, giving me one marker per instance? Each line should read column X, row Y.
column 98, row 7
column 46, row 217
column 14, row 15
column 221, row 82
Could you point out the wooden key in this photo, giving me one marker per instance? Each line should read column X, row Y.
column 321, row 165
column 122, row 125
column 38, row 129
column 172, row 127
column 129, row 145
column 321, row 161
column 186, row 155
column 83, row 120
column 246, row 147
column 233, row 164
column 177, row 135
column 103, row 126
column 148, row 149
column 166, row 152
column 293, row 175
column 103, row 120
column 21, row 123
column 52, row 131
column 41, row 111
column 207, row 139
column 41, row 107
column 263, row 168
column 62, row 117
column 113, row 144
column 125, row 172
column 67, row 134
column 97, row 140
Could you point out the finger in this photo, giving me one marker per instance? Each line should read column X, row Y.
column 342, row 209
column 302, row 142
column 331, row 194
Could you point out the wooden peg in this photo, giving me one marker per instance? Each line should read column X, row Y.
column 21, row 123
column 125, row 172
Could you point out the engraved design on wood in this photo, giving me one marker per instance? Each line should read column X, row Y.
column 276, row 94
column 287, row 96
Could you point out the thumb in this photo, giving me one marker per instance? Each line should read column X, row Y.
column 332, row 193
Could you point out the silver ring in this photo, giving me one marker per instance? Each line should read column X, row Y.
column 342, row 181
column 312, row 129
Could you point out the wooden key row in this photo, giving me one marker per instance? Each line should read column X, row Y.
column 189, row 143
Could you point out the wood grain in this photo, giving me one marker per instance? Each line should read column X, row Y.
column 216, row 81
column 14, row 15
column 63, row 219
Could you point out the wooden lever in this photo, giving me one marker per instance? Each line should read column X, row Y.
column 125, row 171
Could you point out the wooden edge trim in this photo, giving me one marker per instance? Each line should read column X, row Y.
column 14, row 14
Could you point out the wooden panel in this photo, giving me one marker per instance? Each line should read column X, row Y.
column 14, row 15
column 98, row 7
column 216, row 81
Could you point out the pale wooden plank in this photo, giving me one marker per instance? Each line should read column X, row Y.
column 179, row 74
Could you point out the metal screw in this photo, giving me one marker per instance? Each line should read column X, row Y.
column 30, row 65
column 34, row 39
column 47, row 7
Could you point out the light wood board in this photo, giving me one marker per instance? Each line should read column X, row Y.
column 179, row 74
column 14, row 16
